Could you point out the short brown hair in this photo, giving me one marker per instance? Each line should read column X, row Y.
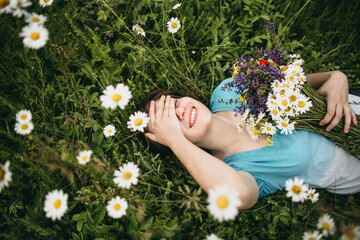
column 145, row 106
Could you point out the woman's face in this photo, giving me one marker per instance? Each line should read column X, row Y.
column 194, row 118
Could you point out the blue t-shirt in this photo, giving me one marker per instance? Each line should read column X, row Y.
column 304, row 154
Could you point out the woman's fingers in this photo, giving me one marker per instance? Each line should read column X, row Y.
column 167, row 105
column 151, row 136
column 353, row 117
column 347, row 113
column 152, row 112
column 337, row 117
column 172, row 108
column 160, row 108
column 331, row 107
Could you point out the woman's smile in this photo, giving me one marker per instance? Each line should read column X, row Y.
column 193, row 116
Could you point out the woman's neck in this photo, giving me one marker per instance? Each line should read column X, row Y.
column 223, row 138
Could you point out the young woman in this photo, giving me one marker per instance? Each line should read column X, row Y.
column 252, row 168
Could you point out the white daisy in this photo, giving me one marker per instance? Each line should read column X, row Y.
column 298, row 62
column 84, row 157
column 260, row 117
column 5, row 175
column 35, row 18
column 245, row 114
column 55, row 204
column 350, row 232
column 23, row 115
column 312, row 195
column 276, row 86
column 18, row 7
column 302, row 79
column 303, row 104
column 109, row 130
column 315, row 235
column 296, row 189
column 45, row 3
column 139, row 30
column 223, row 205
column 116, row 207
column 294, row 56
column 271, row 102
column 268, row 128
column 239, row 127
column 24, row 127
column 285, row 126
column 35, row 36
column 6, row 6
column 327, row 225
column 212, row 237
column 275, row 114
column 113, row 97
column 176, row 6
column 127, row 175
column 283, row 102
column 173, row 25
column 138, row 121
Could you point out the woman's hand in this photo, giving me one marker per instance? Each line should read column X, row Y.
column 336, row 90
column 164, row 125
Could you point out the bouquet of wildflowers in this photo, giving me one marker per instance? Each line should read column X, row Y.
column 274, row 97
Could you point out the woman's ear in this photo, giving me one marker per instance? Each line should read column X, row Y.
column 151, row 136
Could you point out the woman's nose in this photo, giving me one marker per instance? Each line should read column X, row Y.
column 180, row 113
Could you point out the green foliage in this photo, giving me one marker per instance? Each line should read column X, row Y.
column 91, row 46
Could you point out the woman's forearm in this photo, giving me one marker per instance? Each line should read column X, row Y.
column 316, row 80
column 209, row 171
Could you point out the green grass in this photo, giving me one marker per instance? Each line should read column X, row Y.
column 61, row 84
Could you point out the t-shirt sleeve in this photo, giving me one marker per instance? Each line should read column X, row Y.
column 265, row 188
column 220, row 98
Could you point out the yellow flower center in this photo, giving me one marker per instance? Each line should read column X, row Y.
column 298, row 74
column 296, row 189
column 301, row 104
column 23, row 117
column 117, row 207
column 282, row 92
column 222, row 202
column 127, row 175
column 297, row 64
column 46, row 1
column 110, row 131
column 284, row 102
column 138, row 121
column 293, row 72
column 140, row 30
column 276, row 85
column 85, row 158
column 326, row 225
column 275, row 112
column 301, row 79
column 36, row 19
column 311, row 195
column 291, row 78
column 293, row 98
column 350, row 234
column 24, row 126
column 57, row 203
column 284, row 125
column 312, row 238
column 174, row 25
column 34, row 36
column 4, row 3
column 268, row 128
column 2, row 174
column 248, row 71
column 116, row 97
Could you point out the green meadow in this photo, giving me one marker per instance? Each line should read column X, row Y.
column 92, row 45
